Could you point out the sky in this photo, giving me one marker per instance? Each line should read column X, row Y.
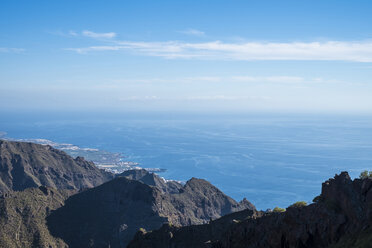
column 204, row 56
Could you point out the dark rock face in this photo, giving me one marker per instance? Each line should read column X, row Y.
column 200, row 201
column 110, row 214
column 342, row 214
column 153, row 180
column 24, row 165
column 197, row 200
column 196, row 236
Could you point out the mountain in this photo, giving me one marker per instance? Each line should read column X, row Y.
column 193, row 235
column 340, row 217
column 199, row 202
column 22, row 217
column 109, row 215
column 168, row 186
column 195, row 194
column 48, row 199
column 24, row 165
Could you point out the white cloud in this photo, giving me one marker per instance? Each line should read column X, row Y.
column 357, row 51
column 91, row 34
column 11, row 50
column 95, row 48
column 193, row 32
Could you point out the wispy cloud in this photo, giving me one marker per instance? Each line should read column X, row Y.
column 95, row 35
column 95, row 48
column 193, row 32
column 357, row 51
column 11, row 50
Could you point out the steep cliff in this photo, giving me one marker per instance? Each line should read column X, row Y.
column 24, row 165
column 340, row 217
column 110, row 214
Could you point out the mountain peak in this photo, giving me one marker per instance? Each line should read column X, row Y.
column 25, row 165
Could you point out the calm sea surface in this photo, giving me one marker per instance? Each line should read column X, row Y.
column 270, row 160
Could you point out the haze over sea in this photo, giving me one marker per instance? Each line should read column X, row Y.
column 272, row 160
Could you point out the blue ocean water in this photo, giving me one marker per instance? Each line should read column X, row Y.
column 271, row 160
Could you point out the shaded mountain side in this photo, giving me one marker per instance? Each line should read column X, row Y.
column 196, row 236
column 110, row 214
column 152, row 179
column 357, row 240
column 341, row 217
column 24, row 165
column 198, row 200
column 22, row 217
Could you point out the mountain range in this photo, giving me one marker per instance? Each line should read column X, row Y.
column 49, row 199
column 61, row 201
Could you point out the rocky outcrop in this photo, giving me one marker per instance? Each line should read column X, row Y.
column 342, row 214
column 199, row 202
column 196, row 236
column 24, row 165
column 110, row 214
column 167, row 186
column 198, row 199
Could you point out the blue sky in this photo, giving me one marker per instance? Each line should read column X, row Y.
column 244, row 56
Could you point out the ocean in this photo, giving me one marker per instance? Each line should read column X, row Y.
column 272, row 160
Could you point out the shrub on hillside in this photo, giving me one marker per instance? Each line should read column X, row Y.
column 278, row 210
column 365, row 174
column 299, row 204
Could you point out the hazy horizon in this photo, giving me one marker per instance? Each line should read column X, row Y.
column 245, row 56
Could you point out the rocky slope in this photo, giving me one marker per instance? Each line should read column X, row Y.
column 109, row 215
column 24, row 165
column 191, row 236
column 22, row 217
column 341, row 217
column 49, row 199
column 198, row 200
column 153, row 180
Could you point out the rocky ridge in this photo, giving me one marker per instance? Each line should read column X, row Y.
column 24, row 165
column 341, row 215
column 51, row 200
column 167, row 186
column 110, row 214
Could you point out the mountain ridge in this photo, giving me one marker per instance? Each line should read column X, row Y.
column 342, row 214
column 24, row 165
column 99, row 209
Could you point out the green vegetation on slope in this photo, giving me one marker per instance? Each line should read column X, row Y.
column 22, row 218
